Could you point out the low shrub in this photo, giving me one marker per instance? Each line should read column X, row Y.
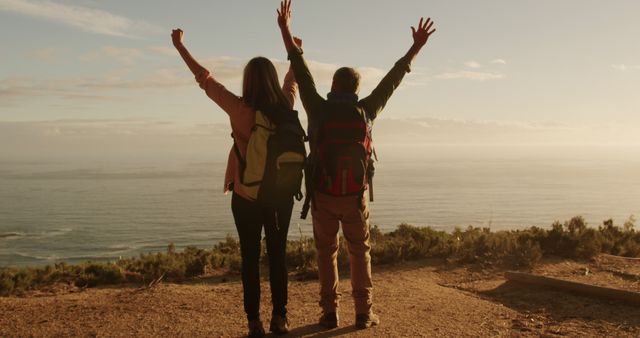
column 95, row 274
column 514, row 248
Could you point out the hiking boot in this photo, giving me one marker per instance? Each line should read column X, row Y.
column 255, row 329
column 329, row 320
column 279, row 324
column 367, row 320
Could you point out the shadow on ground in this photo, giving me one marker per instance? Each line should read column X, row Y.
column 316, row 331
column 560, row 306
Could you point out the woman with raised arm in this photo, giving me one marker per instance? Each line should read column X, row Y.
column 260, row 91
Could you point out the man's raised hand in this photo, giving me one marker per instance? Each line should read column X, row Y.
column 284, row 19
column 284, row 14
column 424, row 31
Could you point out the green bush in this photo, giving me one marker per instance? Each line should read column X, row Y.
column 301, row 254
column 526, row 252
column 7, row 284
column 95, row 274
column 515, row 248
column 407, row 243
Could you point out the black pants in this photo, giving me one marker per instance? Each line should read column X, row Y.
column 250, row 218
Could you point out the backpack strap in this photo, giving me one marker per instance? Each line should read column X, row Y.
column 309, row 169
column 373, row 157
column 370, row 171
column 305, row 206
column 243, row 162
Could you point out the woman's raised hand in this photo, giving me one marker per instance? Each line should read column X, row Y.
column 176, row 37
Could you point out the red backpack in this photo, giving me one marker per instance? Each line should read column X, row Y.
column 342, row 163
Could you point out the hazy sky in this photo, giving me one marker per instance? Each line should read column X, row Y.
column 571, row 63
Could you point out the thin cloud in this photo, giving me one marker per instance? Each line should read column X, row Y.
column 137, row 126
column 472, row 64
column 163, row 50
column 470, row 75
column 45, row 54
column 17, row 89
column 623, row 67
column 125, row 56
column 427, row 130
column 14, row 91
column 85, row 86
column 84, row 18
column 147, row 133
column 474, row 71
column 323, row 73
column 227, row 70
column 160, row 80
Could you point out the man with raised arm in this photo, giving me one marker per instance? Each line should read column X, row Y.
column 338, row 181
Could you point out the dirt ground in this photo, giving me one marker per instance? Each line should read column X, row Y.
column 427, row 298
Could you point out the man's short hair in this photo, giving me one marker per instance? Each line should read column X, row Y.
column 346, row 79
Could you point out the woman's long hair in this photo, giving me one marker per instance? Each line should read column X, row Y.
column 261, row 87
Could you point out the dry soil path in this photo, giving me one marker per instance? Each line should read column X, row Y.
column 412, row 301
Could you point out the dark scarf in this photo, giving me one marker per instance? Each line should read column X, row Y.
column 342, row 97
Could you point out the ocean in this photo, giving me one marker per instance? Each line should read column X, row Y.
column 76, row 211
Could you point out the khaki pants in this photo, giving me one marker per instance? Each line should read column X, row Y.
column 328, row 213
